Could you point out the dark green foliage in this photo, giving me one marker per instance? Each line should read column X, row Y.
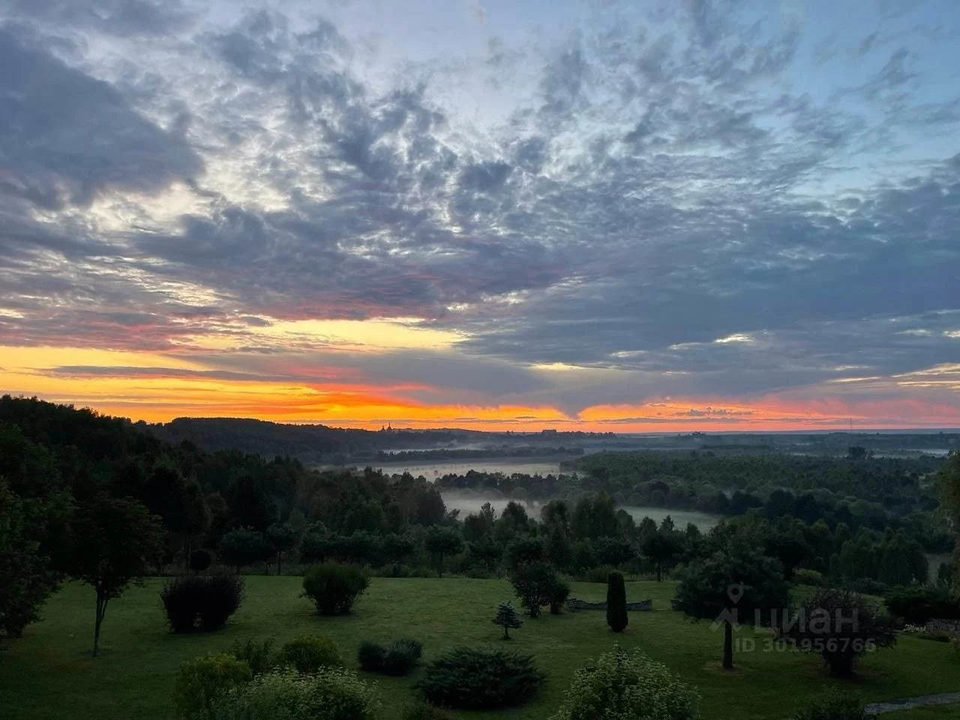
column 616, row 602
column 200, row 560
column 243, row 547
column 524, row 550
column 734, row 584
column 559, row 592
column 662, row 548
column 835, row 706
column 399, row 657
column 204, row 681
column 201, row 602
column 115, row 542
column 916, row 605
column 308, row 654
column 840, row 626
column 257, row 654
column 442, row 542
column 282, row 538
column 334, row 588
column 536, row 584
column 595, row 516
column 475, row 679
column 507, row 618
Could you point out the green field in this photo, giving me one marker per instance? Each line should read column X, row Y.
column 50, row 675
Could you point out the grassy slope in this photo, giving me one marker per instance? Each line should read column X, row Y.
column 49, row 674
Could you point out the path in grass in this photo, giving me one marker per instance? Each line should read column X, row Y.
column 923, row 701
column 49, row 674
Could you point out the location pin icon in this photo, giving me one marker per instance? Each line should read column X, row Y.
column 735, row 592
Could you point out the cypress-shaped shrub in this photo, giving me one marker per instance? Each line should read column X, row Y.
column 334, row 588
column 476, row 679
column 616, row 602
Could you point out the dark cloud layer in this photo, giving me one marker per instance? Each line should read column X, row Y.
column 664, row 199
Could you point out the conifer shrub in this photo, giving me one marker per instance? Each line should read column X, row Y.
column 334, row 588
column 616, row 602
column 475, row 679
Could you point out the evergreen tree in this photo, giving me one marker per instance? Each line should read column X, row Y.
column 616, row 602
column 507, row 618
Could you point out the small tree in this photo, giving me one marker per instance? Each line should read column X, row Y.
column 334, row 588
column 114, row 543
column 534, row 584
column 243, row 547
column 734, row 585
column 621, row 684
column 616, row 602
column 661, row 548
column 282, row 538
column 839, row 625
column 440, row 542
column 559, row 592
column 507, row 618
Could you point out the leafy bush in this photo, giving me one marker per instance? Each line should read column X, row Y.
column 203, row 602
column 536, row 584
column 621, row 685
column 397, row 658
column 918, row 605
column 334, row 588
column 425, row 711
column 257, row 654
column 200, row 560
column 480, row 679
column 331, row 694
column 835, row 706
column 805, row 576
column 206, row 680
column 308, row 654
column 559, row 592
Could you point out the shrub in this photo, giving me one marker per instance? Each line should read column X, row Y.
column 257, row 654
column 480, row 679
column 425, row 711
column 620, row 685
column 918, row 605
column 200, row 560
column 835, row 706
column 334, row 588
column 840, row 625
column 331, row 694
column 308, row 654
column 616, row 602
column 203, row 602
column 507, row 618
column 805, row 576
column 559, row 592
column 397, row 658
column 534, row 584
column 204, row 681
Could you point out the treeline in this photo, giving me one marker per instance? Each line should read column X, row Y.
column 472, row 454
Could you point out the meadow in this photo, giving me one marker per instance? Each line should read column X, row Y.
column 49, row 673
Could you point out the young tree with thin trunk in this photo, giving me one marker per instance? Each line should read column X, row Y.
column 736, row 585
column 115, row 542
column 507, row 618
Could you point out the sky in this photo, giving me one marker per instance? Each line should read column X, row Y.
column 635, row 216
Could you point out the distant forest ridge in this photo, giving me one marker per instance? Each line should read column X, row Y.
column 332, row 445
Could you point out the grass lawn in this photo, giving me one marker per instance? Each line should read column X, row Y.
column 49, row 674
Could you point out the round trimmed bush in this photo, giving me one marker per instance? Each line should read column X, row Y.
column 206, row 680
column 621, row 685
column 370, row 656
column 475, row 679
column 257, row 654
column 309, row 654
column 334, row 588
column 201, row 602
column 330, row 694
